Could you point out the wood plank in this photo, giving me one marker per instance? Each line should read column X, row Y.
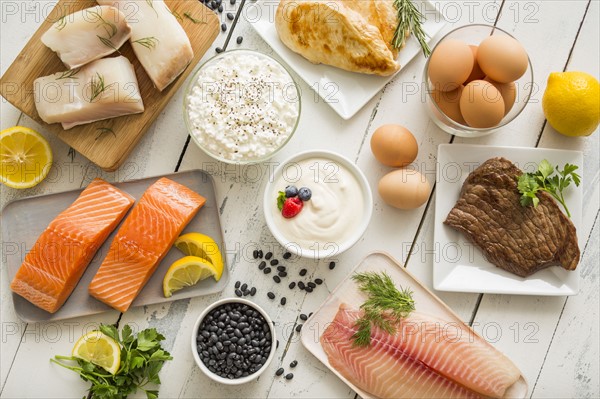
column 107, row 151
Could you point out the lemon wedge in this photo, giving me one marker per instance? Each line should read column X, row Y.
column 25, row 157
column 202, row 246
column 99, row 349
column 186, row 272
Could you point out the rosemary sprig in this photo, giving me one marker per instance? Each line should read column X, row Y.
column 98, row 86
column 103, row 130
column 70, row 74
column 384, row 307
column 409, row 20
column 194, row 20
column 148, row 42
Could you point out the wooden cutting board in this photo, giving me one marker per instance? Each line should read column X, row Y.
column 94, row 140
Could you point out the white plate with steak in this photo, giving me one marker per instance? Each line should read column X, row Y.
column 523, row 240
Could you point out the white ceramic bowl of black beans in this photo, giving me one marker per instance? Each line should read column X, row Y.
column 233, row 341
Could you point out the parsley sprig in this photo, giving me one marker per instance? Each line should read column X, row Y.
column 545, row 179
column 142, row 358
column 384, row 307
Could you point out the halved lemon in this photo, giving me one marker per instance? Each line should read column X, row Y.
column 25, row 157
column 202, row 246
column 186, row 272
column 99, row 349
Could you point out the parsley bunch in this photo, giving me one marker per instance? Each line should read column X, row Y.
column 142, row 358
column 544, row 179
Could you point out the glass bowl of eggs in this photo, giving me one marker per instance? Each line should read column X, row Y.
column 478, row 78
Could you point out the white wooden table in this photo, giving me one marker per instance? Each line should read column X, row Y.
column 553, row 340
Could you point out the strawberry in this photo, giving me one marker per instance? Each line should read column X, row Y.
column 291, row 207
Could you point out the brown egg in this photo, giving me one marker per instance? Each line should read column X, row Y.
column 450, row 65
column 404, row 189
column 449, row 103
column 508, row 92
column 476, row 72
column 502, row 58
column 394, row 145
column 481, row 104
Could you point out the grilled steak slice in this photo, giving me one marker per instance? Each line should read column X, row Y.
column 521, row 240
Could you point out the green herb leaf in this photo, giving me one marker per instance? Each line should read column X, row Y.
column 111, row 331
column 194, row 20
column 410, row 20
column 545, row 169
column 280, row 200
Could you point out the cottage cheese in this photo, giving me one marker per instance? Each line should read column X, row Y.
column 243, row 106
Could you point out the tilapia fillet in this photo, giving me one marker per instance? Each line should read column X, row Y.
column 142, row 241
column 51, row 270
column 87, row 35
column 426, row 358
column 103, row 89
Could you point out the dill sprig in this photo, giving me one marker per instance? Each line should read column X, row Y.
column 194, row 20
column 98, row 86
column 61, row 23
column 151, row 4
column 148, row 42
column 103, row 130
column 409, row 20
column 109, row 27
column 384, row 307
column 108, row 43
column 176, row 14
column 70, row 74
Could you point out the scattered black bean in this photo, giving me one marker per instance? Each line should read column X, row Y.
column 253, row 291
column 303, row 317
column 232, row 2
column 292, row 285
column 303, row 272
column 223, row 26
column 331, row 265
column 298, row 327
column 309, row 289
column 289, row 376
column 269, row 255
column 274, row 262
column 238, row 292
column 219, row 50
column 230, row 16
column 255, row 254
column 271, row 295
column 282, row 274
column 301, row 285
column 311, row 284
column 237, row 284
column 293, row 363
column 277, row 279
column 262, row 265
column 220, row 9
column 287, row 255
column 244, row 287
column 281, row 268
column 279, row 371
column 260, row 253
column 283, row 301
column 239, row 40
column 267, row 270
column 246, row 292
column 319, row 281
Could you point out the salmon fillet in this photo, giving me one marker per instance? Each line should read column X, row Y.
column 52, row 269
column 144, row 239
column 426, row 358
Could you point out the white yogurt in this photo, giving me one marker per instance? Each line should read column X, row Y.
column 333, row 214
column 243, row 106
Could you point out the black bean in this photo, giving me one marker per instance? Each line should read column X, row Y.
column 303, row 272
column 292, row 285
column 223, row 26
column 331, row 265
column 279, row 371
column 237, row 284
column 281, row 268
column 301, row 285
column 219, row 50
column 220, row 9
column 318, row 281
column 277, row 279
column 214, row 4
column 282, row 274
column 298, row 327
column 311, row 284
column 230, row 16
column 253, row 291
column 244, row 287
column 283, row 300
column 232, row 2
column 268, row 255
column 262, row 265
column 267, row 270
column 260, row 253
column 238, row 292
column 289, row 376
column 274, row 262
column 287, row 255
column 303, row 317
column 293, row 363
column 309, row 289
column 239, row 40
column 246, row 292
column 271, row 295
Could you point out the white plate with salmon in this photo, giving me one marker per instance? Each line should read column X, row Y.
column 107, row 246
column 432, row 353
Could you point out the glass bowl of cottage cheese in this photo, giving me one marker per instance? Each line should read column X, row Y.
column 317, row 204
column 242, row 106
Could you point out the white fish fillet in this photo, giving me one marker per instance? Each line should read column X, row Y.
column 158, row 40
column 87, row 35
column 103, row 89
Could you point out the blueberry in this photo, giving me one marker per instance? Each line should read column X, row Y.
column 291, row 191
column 304, row 193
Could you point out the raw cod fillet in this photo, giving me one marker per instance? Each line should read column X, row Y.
column 158, row 40
column 103, row 89
column 87, row 35
column 427, row 358
column 61, row 254
column 142, row 241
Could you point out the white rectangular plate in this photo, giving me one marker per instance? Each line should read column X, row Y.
column 347, row 292
column 346, row 92
column 460, row 265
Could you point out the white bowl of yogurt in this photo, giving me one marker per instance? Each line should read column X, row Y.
column 337, row 213
column 241, row 106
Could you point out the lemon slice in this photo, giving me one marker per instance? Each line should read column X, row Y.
column 202, row 246
column 25, row 157
column 99, row 349
column 186, row 272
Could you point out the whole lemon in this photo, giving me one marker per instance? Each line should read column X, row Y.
column 571, row 103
